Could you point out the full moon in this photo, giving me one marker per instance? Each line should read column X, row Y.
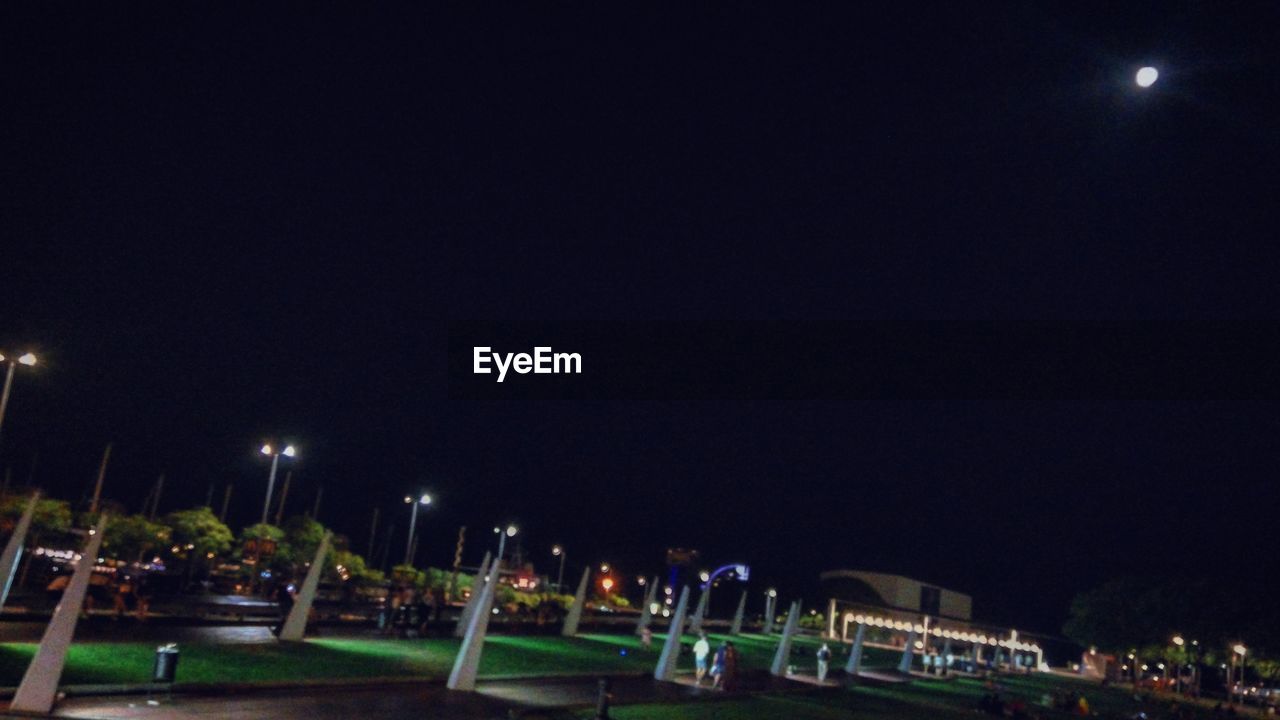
column 1147, row 77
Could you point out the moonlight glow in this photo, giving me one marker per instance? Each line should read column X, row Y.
column 1147, row 77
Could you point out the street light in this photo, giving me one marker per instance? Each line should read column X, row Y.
column 28, row 359
column 413, row 521
column 502, row 538
column 288, row 452
column 559, row 552
column 1146, row 77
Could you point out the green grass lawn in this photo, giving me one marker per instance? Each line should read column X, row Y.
column 917, row 700
column 94, row 663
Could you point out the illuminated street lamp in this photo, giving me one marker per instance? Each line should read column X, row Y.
column 413, row 521
column 288, row 452
column 1146, row 77
column 502, row 537
column 559, row 552
column 28, row 359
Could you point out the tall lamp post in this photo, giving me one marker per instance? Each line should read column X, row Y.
column 559, row 552
column 1178, row 662
column 289, row 452
column 502, row 538
column 28, row 359
column 1240, row 650
column 413, row 521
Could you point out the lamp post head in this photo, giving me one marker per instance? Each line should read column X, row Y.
column 266, row 449
column 512, row 530
column 772, row 593
column 27, row 359
column 1177, row 640
column 1240, row 649
column 557, row 550
column 289, row 451
column 1146, row 77
column 425, row 499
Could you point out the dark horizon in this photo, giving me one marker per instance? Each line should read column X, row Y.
column 232, row 228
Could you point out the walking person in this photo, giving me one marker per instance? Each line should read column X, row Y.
column 717, row 665
column 729, row 669
column 284, row 598
column 824, row 662
column 701, row 649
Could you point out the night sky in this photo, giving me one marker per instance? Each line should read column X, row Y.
column 223, row 225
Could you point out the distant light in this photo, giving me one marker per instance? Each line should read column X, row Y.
column 772, row 593
column 289, row 451
column 1146, row 77
column 919, row 644
column 556, row 550
column 1177, row 640
column 495, row 611
column 607, row 584
column 27, row 359
column 425, row 499
column 666, row 612
column 407, row 499
column 266, row 449
column 640, row 580
column 667, row 590
column 1240, row 649
column 654, row 608
column 604, row 567
column 704, row 576
column 511, row 531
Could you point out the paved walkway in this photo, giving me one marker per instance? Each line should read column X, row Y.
column 391, row 702
column 531, row 699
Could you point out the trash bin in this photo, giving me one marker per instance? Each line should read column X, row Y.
column 166, row 664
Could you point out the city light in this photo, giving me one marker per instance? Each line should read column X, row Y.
column 1177, row 640
column 1147, row 77
column 26, row 359
column 266, row 450
column 289, row 451
column 557, row 550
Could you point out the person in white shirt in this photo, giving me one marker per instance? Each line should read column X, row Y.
column 701, row 650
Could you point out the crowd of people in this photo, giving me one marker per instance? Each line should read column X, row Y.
column 123, row 592
column 721, row 666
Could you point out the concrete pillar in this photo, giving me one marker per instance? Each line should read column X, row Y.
column 467, row 664
column 575, row 612
column 908, row 652
column 770, row 612
column 831, row 619
column 736, row 627
column 295, row 626
column 783, row 653
column 477, row 586
column 695, row 625
column 13, row 550
column 666, row 668
column 646, row 614
column 855, row 653
column 39, row 685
